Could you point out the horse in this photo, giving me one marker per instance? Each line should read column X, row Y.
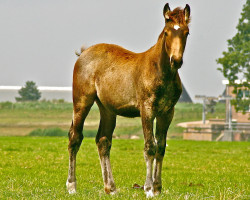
column 129, row 84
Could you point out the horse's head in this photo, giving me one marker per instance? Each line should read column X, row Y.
column 176, row 32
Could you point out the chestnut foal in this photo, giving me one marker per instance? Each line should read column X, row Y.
column 130, row 84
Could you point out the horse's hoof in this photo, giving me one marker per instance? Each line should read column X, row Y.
column 149, row 193
column 157, row 193
column 157, row 189
column 110, row 191
column 71, row 187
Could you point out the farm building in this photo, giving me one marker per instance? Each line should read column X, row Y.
column 185, row 96
column 238, row 117
column 235, row 127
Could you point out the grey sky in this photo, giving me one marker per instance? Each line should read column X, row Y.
column 38, row 38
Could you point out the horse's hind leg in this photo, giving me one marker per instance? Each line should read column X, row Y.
column 104, row 141
column 80, row 112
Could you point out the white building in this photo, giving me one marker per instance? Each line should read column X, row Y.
column 8, row 93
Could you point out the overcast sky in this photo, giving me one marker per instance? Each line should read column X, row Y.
column 38, row 38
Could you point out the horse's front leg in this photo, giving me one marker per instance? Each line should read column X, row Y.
column 162, row 124
column 149, row 148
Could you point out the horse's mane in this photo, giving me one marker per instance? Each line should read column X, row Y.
column 177, row 16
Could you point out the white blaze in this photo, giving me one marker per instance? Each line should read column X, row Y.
column 176, row 27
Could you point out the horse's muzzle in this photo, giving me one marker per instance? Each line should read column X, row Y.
column 176, row 63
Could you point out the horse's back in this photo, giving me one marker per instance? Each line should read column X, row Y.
column 108, row 53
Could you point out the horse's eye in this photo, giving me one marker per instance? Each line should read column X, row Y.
column 186, row 33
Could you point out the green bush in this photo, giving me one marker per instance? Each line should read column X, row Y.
column 6, row 105
column 48, row 132
column 29, row 92
column 42, row 105
column 59, row 132
column 89, row 133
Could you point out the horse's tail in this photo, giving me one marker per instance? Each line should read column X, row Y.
column 82, row 50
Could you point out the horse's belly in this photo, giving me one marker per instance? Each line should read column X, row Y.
column 126, row 111
column 119, row 107
column 119, row 98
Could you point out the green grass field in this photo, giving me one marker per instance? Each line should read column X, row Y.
column 36, row 168
column 19, row 119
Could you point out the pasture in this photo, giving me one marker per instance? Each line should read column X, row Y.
column 36, row 168
column 19, row 119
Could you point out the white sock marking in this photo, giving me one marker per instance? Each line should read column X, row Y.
column 71, row 187
column 150, row 194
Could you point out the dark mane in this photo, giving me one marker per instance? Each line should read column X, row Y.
column 161, row 35
column 177, row 16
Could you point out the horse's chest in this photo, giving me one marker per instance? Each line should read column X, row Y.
column 166, row 98
column 163, row 105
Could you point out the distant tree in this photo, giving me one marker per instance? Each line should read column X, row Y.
column 29, row 92
column 236, row 61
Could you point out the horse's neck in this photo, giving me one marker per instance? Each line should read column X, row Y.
column 159, row 55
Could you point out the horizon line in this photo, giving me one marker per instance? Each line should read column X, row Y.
column 42, row 88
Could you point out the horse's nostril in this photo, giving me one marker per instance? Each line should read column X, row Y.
column 176, row 62
column 180, row 62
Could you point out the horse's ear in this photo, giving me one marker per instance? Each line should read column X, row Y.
column 187, row 13
column 166, row 11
